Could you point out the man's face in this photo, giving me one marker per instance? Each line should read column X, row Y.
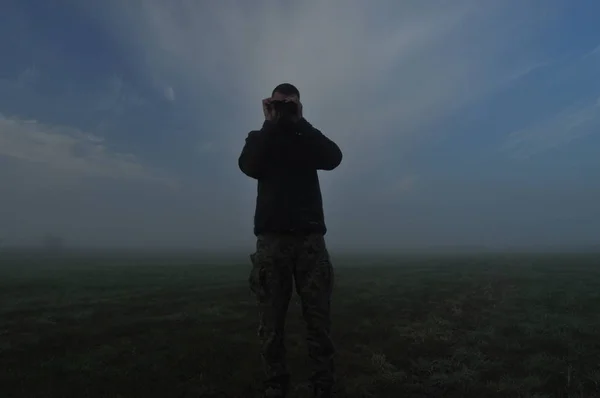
column 282, row 97
column 288, row 114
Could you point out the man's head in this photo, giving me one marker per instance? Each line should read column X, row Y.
column 285, row 91
column 284, row 102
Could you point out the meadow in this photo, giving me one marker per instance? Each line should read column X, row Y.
column 124, row 325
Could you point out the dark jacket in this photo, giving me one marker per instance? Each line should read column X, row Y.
column 285, row 163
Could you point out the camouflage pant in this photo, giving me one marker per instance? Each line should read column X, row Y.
column 279, row 261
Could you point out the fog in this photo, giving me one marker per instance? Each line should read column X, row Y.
column 469, row 125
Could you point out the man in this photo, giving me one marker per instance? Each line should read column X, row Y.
column 284, row 156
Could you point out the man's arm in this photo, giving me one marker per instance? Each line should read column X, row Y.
column 254, row 160
column 319, row 151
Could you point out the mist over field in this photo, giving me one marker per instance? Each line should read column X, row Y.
column 469, row 124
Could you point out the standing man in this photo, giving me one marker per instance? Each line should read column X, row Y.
column 284, row 156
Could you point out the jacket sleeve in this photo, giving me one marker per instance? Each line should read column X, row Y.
column 254, row 159
column 318, row 151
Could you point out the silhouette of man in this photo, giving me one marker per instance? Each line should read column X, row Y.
column 284, row 156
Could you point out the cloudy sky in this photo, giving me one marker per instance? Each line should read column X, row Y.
column 462, row 122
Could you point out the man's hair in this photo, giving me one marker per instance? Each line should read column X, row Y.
column 286, row 89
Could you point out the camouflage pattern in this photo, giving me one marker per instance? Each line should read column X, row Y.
column 280, row 261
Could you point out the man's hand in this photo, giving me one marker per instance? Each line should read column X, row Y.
column 268, row 110
column 298, row 116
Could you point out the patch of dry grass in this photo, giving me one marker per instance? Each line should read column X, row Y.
column 477, row 326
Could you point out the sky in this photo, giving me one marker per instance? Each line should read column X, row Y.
column 470, row 123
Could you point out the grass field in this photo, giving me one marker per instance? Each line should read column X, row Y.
column 437, row 326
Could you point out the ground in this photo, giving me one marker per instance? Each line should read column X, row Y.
column 413, row 326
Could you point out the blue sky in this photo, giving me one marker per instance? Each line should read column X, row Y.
column 462, row 123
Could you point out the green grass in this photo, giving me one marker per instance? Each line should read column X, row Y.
column 454, row 326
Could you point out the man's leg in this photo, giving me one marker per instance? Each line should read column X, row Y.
column 314, row 283
column 271, row 280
